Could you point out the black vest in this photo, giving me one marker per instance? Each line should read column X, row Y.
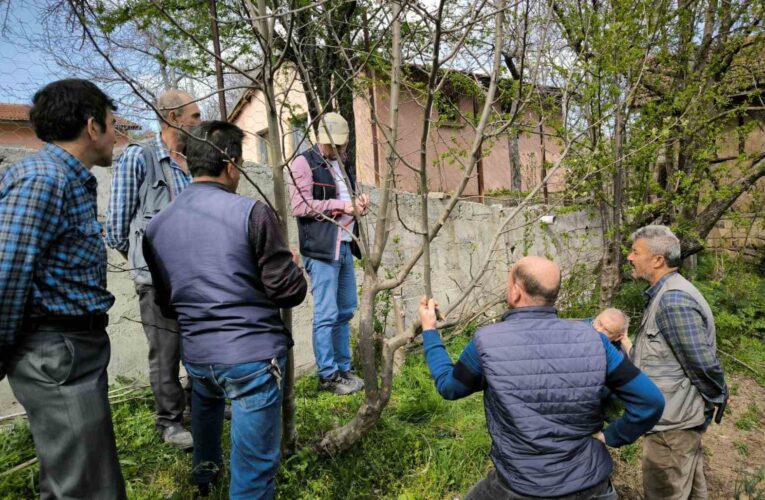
column 318, row 237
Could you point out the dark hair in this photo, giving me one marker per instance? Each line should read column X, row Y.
column 207, row 144
column 61, row 110
column 534, row 288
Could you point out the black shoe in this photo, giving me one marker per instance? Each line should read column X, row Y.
column 338, row 385
column 178, row 437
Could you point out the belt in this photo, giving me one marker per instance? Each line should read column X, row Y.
column 65, row 323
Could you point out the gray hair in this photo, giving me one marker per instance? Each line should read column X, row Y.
column 171, row 100
column 661, row 241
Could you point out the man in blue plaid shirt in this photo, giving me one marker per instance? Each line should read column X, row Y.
column 146, row 178
column 53, row 296
column 676, row 347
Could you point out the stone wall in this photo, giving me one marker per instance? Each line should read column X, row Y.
column 573, row 240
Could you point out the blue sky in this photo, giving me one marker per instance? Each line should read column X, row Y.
column 23, row 70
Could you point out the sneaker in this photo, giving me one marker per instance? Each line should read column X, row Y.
column 349, row 375
column 178, row 437
column 338, row 385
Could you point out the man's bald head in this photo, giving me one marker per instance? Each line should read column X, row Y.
column 533, row 281
column 612, row 322
column 174, row 104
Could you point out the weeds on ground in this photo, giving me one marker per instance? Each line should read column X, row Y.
column 750, row 486
column 741, row 448
column 750, row 419
column 424, row 447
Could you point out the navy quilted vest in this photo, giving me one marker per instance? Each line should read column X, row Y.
column 201, row 240
column 545, row 376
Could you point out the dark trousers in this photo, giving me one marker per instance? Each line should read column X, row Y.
column 60, row 380
column 164, row 359
column 492, row 487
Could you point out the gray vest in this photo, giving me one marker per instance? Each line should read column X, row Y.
column 545, row 377
column 201, row 242
column 684, row 406
column 154, row 193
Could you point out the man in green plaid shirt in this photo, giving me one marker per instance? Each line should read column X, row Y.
column 675, row 346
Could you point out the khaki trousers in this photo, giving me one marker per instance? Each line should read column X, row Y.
column 673, row 466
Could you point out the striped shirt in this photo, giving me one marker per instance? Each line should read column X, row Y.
column 129, row 173
column 681, row 322
column 52, row 257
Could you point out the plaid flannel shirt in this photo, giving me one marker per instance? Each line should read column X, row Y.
column 52, row 257
column 681, row 321
column 129, row 173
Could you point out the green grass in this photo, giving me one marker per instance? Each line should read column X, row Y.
column 423, row 447
column 750, row 485
column 741, row 448
column 751, row 419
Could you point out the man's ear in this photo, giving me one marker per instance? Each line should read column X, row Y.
column 514, row 293
column 659, row 261
column 231, row 167
column 92, row 129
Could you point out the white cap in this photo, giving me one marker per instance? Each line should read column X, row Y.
column 335, row 132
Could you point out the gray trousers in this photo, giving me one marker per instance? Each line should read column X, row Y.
column 492, row 487
column 60, row 380
column 164, row 360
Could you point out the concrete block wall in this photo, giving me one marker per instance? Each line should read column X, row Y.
column 457, row 252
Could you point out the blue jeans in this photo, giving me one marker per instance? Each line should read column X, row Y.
column 333, row 286
column 255, row 391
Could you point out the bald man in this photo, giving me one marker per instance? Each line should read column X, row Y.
column 542, row 378
column 614, row 324
column 149, row 175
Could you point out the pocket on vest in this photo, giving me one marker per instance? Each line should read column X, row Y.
column 683, row 402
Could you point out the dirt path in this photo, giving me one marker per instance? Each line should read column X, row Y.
column 733, row 455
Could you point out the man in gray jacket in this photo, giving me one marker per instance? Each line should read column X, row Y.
column 146, row 178
column 676, row 347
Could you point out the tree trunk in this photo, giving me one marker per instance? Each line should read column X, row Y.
column 276, row 160
column 610, row 272
column 515, row 161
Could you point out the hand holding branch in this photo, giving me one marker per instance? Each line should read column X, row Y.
column 428, row 313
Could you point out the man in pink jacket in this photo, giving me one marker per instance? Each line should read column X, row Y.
column 322, row 188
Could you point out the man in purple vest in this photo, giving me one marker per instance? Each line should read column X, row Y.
column 321, row 194
column 542, row 379
column 221, row 265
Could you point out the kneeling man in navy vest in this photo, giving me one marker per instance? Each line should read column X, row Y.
column 221, row 264
column 542, row 378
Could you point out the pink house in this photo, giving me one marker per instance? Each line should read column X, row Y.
column 447, row 151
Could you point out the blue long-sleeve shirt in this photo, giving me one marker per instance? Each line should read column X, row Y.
column 52, row 257
column 643, row 401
